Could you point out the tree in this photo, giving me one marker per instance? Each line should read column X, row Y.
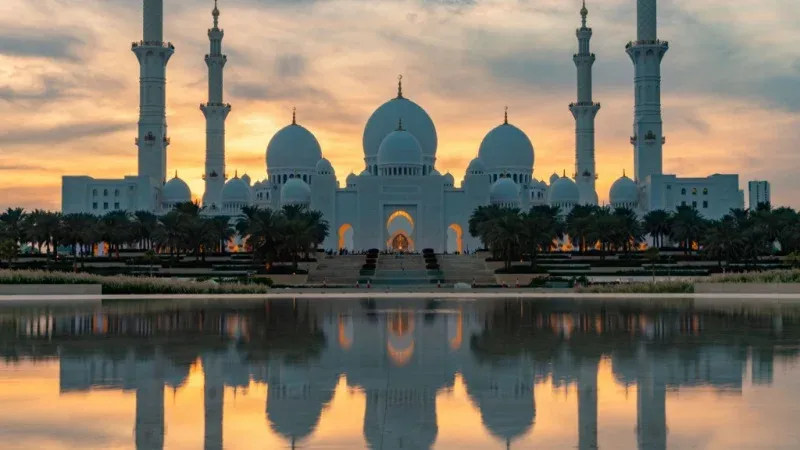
column 723, row 241
column 222, row 232
column 627, row 229
column 116, row 229
column 656, row 224
column 579, row 224
column 540, row 227
column 145, row 224
column 9, row 249
column 687, row 226
column 652, row 254
column 80, row 230
column 14, row 223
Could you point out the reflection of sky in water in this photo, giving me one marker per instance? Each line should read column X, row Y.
column 344, row 375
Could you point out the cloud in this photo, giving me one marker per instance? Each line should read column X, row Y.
column 39, row 44
column 59, row 133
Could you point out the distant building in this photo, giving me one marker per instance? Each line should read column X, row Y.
column 758, row 192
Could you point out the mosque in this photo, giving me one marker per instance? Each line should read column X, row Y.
column 400, row 200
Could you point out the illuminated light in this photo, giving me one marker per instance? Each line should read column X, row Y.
column 342, row 230
column 459, row 236
column 345, row 333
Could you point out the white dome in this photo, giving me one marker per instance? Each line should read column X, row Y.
column 176, row 191
column 295, row 192
column 364, row 172
column 435, row 172
column 504, row 191
column 624, row 191
column 553, row 178
column 384, row 120
column 351, row 179
column 246, row 179
column 324, row 167
column 236, row 191
column 448, row 179
column 563, row 190
column 476, row 167
column 293, row 147
column 400, row 148
column 506, row 147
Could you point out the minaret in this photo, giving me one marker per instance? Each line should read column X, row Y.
column 215, row 112
column 153, row 54
column 584, row 111
column 646, row 53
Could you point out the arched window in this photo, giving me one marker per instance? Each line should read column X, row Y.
column 116, row 192
column 105, row 192
column 705, row 191
column 694, row 191
column 515, row 178
column 683, row 191
column 94, row 192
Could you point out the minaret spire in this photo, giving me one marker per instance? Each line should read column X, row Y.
column 215, row 112
column 294, row 115
column 152, row 139
column 400, row 86
column 505, row 117
column 646, row 54
column 584, row 112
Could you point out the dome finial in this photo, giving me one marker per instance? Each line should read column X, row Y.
column 505, row 119
column 564, row 175
column 400, row 124
column 623, row 172
column 176, row 173
column 294, row 115
column 236, row 174
column 400, row 86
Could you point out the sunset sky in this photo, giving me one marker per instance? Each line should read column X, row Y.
column 69, row 83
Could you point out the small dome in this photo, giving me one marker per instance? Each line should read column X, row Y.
column 384, row 120
column 506, row 147
column 435, row 172
column 351, row 179
column 448, row 179
column 295, row 192
column 236, row 191
column 553, row 178
column 504, row 191
column 246, row 179
column 563, row 191
column 324, row 167
column 476, row 167
column 400, row 148
column 293, row 147
column 176, row 191
column 364, row 172
column 624, row 192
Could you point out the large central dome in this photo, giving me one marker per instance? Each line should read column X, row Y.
column 415, row 120
column 506, row 147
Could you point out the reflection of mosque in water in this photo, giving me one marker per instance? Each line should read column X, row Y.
column 401, row 360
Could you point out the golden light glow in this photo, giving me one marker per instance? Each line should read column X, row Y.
column 459, row 236
column 342, row 230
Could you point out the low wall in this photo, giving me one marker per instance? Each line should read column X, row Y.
column 511, row 279
column 747, row 288
column 50, row 289
column 287, row 280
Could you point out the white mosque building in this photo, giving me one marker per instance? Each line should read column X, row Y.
column 400, row 200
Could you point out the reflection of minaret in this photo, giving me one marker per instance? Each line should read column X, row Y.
column 213, row 402
column 587, row 406
column 651, row 407
column 150, row 404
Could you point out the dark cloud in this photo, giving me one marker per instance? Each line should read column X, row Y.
column 59, row 134
column 20, row 167
column 39, row 44
column 290, row 65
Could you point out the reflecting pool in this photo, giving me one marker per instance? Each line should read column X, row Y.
column 389, row 374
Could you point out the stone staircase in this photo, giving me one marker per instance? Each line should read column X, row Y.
column 340, row 269
column 465, row 269
column 401, row 270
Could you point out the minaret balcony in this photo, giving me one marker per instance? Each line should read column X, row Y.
column 167, row 140
column 647, row 42
column 153, row 44
column 149, row 139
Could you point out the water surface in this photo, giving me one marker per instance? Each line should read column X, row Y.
column 391, row 374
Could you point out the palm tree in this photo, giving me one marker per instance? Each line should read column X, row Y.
column 687, row 226
column 579, row 225
column 723, row 241
column 504, row 234
column 145, row 224
column 80, row 230
column 14, row 223
column 116, row 229
column 628, row 228
column 222, row 232
column 656, row 224
column 540, row 227
column 480, row 223
column 260, row 229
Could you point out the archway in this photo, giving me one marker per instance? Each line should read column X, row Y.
column 346, row 237
column 400, row 227
column 455, row 238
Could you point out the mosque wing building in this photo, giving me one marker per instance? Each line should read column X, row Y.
column 400, row 198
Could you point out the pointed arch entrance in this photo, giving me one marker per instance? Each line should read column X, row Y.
column 400, row 228
column 346, row 237
column 455, row 238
